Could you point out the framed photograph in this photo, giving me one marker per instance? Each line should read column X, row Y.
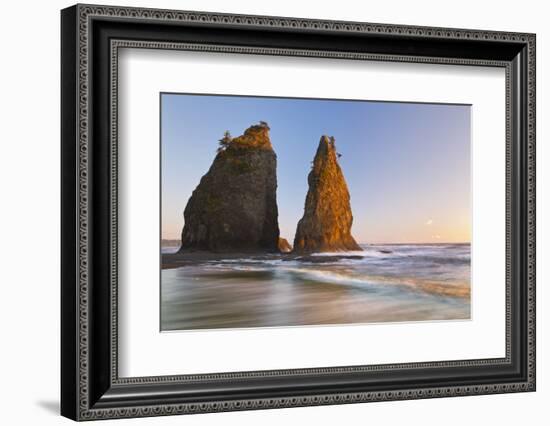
column 263, row 212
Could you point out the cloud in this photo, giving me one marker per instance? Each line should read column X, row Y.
column 437, row 237
column 429, row 222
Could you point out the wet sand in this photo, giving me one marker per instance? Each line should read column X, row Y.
column 243, row 290
column 179, row 260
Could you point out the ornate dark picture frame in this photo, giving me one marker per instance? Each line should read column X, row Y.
column 90, row 38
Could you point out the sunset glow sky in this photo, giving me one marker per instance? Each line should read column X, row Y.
column 407, row 165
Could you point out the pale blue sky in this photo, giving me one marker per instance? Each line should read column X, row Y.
column 407, row 165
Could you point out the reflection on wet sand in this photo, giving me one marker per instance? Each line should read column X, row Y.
column 395, row 286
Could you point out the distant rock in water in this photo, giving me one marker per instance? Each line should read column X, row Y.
column 170, row 243
column 234, row 207
column 284, row 245
column 327, row 220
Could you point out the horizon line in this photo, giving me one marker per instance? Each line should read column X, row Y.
column 375, row 243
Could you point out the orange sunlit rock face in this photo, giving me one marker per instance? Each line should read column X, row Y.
column 326, row 223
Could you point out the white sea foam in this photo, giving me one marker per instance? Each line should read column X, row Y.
column 406, row 283
column 431, row 269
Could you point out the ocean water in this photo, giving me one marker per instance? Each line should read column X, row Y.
column 382, row 283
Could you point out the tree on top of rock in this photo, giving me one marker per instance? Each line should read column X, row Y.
column 225, row 141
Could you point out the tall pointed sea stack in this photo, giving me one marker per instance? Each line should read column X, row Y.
column 327, row 220
column 234, row 207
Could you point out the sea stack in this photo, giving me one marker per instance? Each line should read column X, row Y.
column 234, row 207
column 284, row 246
column 327, row 220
